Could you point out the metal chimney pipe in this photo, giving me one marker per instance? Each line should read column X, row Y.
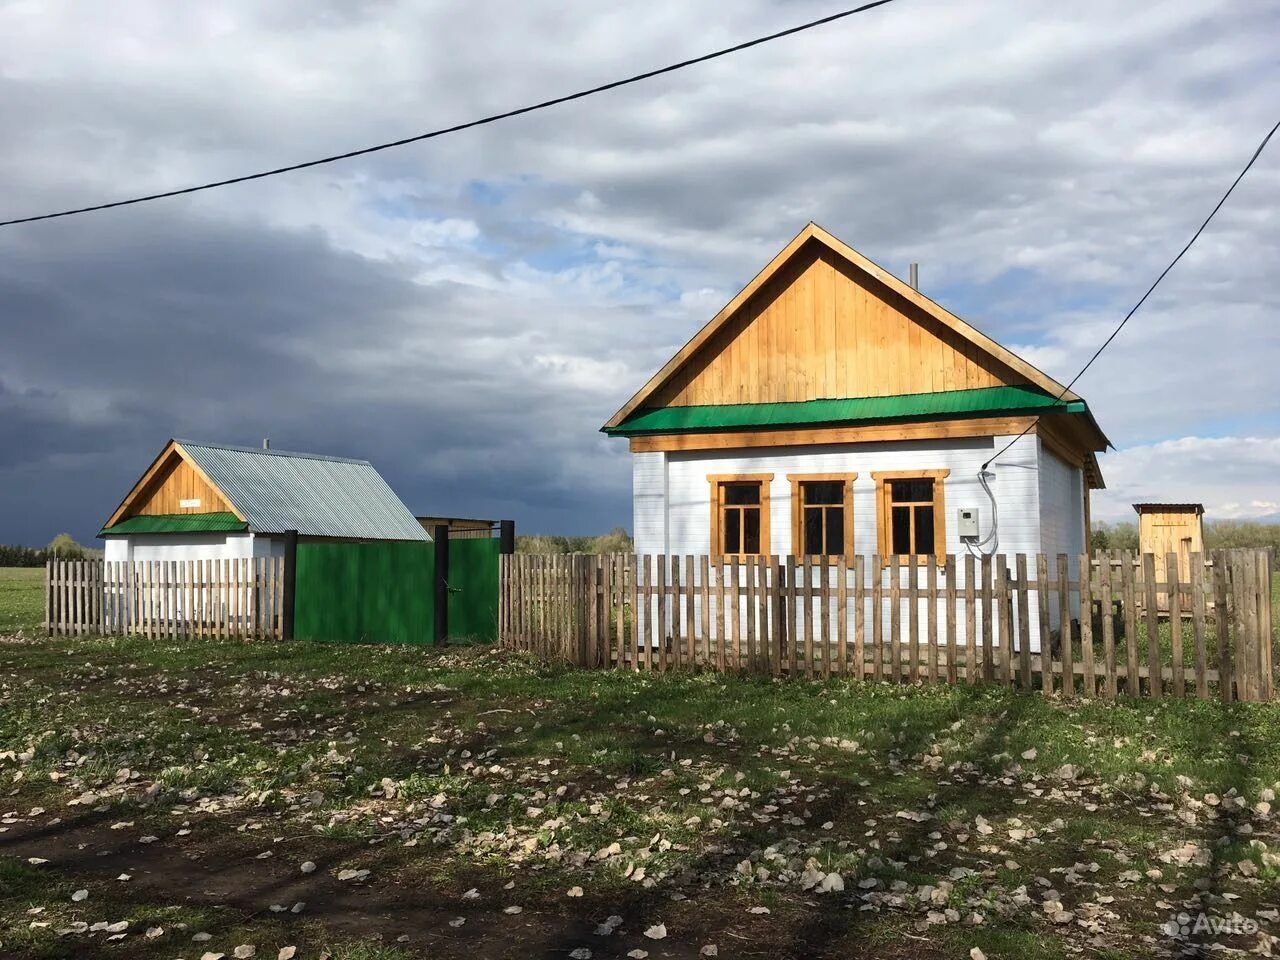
column 266, row 443
column 914, row 276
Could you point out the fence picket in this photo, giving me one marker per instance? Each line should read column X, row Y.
column 1042, row 611
column 735, row 612
column 970, row 620
column 842, row 616
column 1024, row 623
column 722, row 618
column 791, row 638
column 763, row 632
column 1155, row 681
column 952, row 645
column 988, row 599
column 704, row 564
column 895, row 619
column 931, row 617
column 824, row 623
column 1133, row 682
column 777, row 585
column 1197, row 624
column 1222, row 620
column 859, row 615
column 1064, row 628
column 913, row 620
column 1108, row 626
column 1262, row 597
column 877, row 616
column 1004, row 649
column 1086, row 625
column 1173, row 592
column 806, row 573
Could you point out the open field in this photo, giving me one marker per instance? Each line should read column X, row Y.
column 506, row 809
column 21, row 599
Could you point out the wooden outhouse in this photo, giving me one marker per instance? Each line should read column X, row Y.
column 1165, row 528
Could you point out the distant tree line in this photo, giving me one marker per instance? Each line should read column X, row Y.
column 63, row 546
column 1218, row 535
column 616, row 540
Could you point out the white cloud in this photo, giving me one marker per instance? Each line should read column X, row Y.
column 1234, row 477
column 1043, row 162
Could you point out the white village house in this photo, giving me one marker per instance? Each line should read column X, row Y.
column 203, row 501
column 830, row 408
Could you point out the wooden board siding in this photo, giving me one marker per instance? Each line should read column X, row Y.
column 175, row 482
column 821, row 328
column 808, row 436
column 810, row 294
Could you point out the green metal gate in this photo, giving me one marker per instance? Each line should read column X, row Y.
column 379, row 592
column 473, row 589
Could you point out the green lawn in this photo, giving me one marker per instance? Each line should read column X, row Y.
column 207, row 773
column 21, row 599
column 182, row 786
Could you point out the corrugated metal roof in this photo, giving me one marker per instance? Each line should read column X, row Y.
column 985, row 401
column 177, row 523
column 319, row 496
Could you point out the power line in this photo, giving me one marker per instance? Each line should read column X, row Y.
column 1172, row 263
column 493, row 118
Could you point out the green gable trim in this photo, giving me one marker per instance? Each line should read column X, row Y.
column 983, row 401
column 177, row 523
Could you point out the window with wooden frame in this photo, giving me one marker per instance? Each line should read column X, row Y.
column 911, row 513
column 740, row 515
column 822, row 514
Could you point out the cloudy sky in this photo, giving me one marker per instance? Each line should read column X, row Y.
column 466, row 312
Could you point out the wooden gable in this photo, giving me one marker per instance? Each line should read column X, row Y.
column 823, row 322
column 172, row 485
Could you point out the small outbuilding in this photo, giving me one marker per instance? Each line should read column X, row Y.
column 1165, row 528
column 201, row 501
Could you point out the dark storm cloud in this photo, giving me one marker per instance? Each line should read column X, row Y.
column 465, row 313
column 119, row 334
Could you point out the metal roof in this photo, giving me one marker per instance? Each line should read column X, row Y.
column 319, row 496
column 1169, row 507
column 983, row 401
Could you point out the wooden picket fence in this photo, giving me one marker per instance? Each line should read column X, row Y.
column 166, row 598
column 1099, row 625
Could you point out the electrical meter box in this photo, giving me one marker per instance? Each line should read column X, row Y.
column 967, row 523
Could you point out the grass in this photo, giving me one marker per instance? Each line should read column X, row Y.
column 446, row 771
column 21, row 599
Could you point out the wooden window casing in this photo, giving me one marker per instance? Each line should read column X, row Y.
column 885, row 503
column 803, row 483
column 723, row 504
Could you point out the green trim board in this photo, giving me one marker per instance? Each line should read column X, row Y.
column 983, row 401
column 224, row 522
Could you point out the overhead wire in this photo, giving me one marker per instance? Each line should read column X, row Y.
column 458, row 127
column 1151, row 289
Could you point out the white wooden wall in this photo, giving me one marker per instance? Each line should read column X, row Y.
column 1039, row 497
column 192, row 546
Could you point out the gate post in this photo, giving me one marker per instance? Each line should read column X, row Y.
column 440, row 534
column 288, row 590
column 506, row 537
